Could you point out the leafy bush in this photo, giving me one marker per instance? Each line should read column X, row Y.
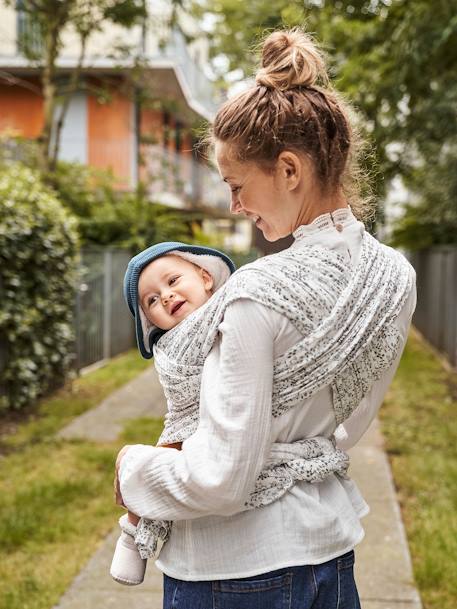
column 108, row 217
column 431, row 218
column 38, row 254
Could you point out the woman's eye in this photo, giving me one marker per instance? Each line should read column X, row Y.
column 236, row 189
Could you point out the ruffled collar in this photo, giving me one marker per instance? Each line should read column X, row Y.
column 338, row 219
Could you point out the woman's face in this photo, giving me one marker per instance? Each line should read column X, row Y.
column 273, row 200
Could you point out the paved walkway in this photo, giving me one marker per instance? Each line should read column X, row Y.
column 383, row 566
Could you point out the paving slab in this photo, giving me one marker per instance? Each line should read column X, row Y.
column 383, row 564
column 94, row 588
column 143, row 396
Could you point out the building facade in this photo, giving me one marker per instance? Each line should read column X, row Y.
column 142, row 92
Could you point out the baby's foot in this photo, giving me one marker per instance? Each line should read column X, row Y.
column 127, row 567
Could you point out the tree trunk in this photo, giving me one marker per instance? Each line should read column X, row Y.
column 72, row 88
column 49, row 92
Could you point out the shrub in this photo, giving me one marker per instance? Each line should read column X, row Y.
column 107, row 216
column 38, row 263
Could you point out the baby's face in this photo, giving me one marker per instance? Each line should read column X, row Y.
column 170, row 288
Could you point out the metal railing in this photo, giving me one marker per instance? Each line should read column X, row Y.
column 104, row 326
column 436, row 311
column 199, row 84
column 182, row 176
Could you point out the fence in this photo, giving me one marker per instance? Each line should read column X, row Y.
column 104, row 326
column 436, row 311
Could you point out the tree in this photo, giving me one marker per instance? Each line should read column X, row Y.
column 42, row 44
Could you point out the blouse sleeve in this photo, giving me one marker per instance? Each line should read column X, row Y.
column 218, row 465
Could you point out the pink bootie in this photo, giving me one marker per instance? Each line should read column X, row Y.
column 127, row 567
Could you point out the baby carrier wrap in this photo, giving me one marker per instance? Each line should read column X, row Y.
column 345, row 315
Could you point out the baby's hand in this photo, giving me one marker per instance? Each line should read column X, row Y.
column 176, row 445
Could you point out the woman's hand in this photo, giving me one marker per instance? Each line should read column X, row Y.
column 117, row 490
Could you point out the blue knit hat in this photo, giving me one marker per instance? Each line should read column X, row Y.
column 218, row 265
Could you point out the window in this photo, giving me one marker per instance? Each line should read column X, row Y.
column 29, row 36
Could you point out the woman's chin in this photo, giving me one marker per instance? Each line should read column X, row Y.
column 270, row 235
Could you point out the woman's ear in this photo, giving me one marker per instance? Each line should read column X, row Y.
column 289, row 168
column 207, row 279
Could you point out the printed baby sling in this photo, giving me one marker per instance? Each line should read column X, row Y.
column 346, row 317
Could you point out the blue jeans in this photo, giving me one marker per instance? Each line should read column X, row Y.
column 330, row 585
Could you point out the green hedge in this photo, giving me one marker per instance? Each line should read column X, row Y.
column 38, row 263
column 109, row 217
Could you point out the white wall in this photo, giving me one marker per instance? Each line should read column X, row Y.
column 7, row 31
column 73, row 143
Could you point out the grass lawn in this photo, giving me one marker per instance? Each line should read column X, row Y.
column 419, row 421
column 57, row 496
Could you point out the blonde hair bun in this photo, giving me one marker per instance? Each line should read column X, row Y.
column 291, row 59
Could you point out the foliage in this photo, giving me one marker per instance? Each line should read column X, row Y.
column 43, row 420
column 419, row 424
column 396, row 61
column 57, row 496
column 110, row 217
column 38, row 249
column 432, row 218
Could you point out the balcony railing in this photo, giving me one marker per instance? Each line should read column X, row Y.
column 200, row 86
column 182, row 181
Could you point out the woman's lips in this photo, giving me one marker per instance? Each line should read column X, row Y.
column 177, row 306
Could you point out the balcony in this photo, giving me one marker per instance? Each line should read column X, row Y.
column 196, row 86
column 179, row 180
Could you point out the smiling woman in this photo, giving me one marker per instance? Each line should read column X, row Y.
column 282, row 369
column 287, row 147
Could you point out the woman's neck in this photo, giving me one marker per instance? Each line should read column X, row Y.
column 319, row 206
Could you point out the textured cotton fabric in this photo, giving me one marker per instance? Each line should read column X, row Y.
column 345, row 343
column 204, row 485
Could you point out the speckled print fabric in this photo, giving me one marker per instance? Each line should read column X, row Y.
column 345, row 315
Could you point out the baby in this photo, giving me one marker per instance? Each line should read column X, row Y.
column 163, row 285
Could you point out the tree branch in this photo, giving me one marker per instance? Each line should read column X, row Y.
column 12, row 80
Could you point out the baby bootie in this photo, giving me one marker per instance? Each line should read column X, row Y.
column 127, row 567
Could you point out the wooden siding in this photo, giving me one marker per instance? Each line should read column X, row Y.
column 110, row 136
column 21, row 111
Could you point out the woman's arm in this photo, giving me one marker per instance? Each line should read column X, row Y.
column 218, row 465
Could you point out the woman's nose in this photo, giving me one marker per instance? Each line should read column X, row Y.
column 235, row 205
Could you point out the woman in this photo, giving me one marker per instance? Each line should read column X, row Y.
column 342, row 304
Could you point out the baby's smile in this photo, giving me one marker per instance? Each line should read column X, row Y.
column 176, row 307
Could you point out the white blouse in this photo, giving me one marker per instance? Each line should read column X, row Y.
column 202, row 488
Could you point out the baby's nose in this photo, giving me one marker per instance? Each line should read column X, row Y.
column 167, row 296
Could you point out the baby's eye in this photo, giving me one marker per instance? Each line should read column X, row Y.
column 173, row 280
column 152, row 300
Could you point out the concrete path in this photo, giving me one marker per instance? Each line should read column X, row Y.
column 383, row 566
column 141, row 397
